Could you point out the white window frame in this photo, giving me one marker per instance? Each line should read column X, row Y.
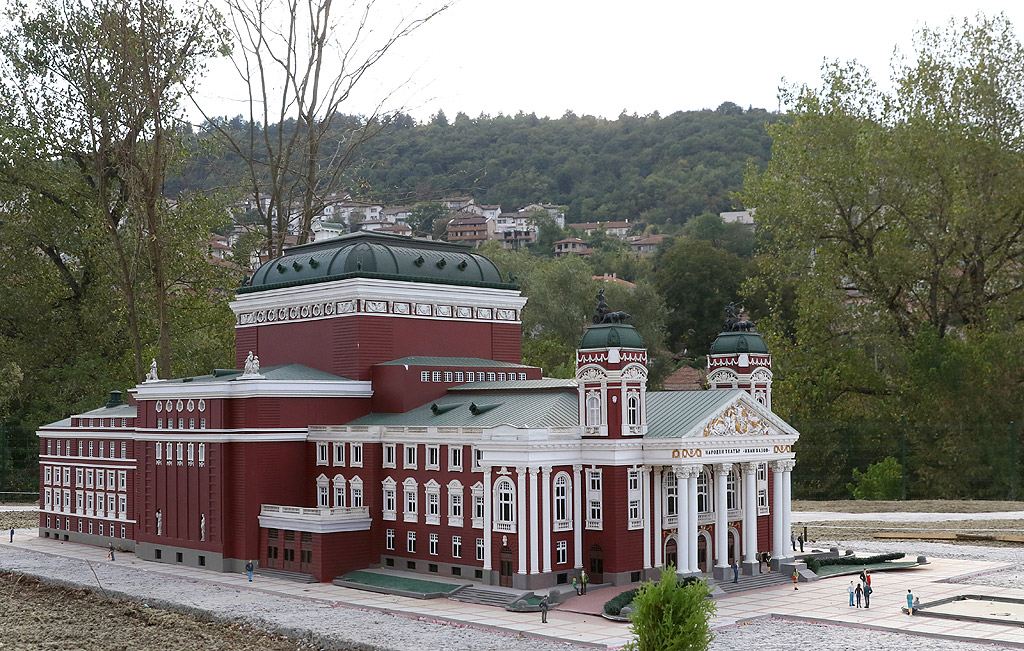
column 410, row 542
column 409, row 456
column 433, row 460
column 323, row 495
column 389, row 504
column 480, row 549
column 49, row 471
column 389, row 540
column 456, row 504
column 339, row 453
column 79, row 477
column 455, row 458
column 432, row 496
column 388, row 457
column 355, row 456
column 595, row 499
column 410, row 500
column 504, row 495
column 339, row 491
column 561, row 552
column 704, row 504
column 181, row 453
column 321, row 453
column 355, row 487
column 456, row 546
column 433, row 541
column 562, row 495
column 100, row 484
column 202, row 455
column 424, row 376
column 122, row 506
column 191, row 454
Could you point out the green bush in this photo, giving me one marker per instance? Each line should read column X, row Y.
column 671, row 615
column 882, row 481
column 615, row 605
column 814, row 563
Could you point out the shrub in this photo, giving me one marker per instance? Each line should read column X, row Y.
column 814, row 563
column 882, row 481
column 671, row 615
column 615, row 605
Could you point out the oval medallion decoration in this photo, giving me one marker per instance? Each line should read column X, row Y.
column 202, row 405
column 179, row 405
column 159, row 406
column 191, row 405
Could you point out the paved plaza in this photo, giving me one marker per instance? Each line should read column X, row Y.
column 576, row 622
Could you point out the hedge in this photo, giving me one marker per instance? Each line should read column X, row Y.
column 814, row 564
column 615, row 605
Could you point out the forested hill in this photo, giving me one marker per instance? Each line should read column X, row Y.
column 651, row 168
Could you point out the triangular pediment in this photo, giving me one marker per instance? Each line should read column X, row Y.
column 743, row 417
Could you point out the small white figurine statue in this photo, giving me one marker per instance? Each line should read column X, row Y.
column 159, row 523
column 152, row 376
column 252, row 365
column 202, row 527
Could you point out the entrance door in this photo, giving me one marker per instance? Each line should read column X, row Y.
column 702, row 554
column 596, row 565
column 733, row 546
column 505, row 568
column 671, row 553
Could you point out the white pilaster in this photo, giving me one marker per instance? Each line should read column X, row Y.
column 545, row 479
column 682, row 522
column 488, row 523
column 749, row 511
column 721, row 515
column 578, row 521
column 521, row 518
column 691, row 515
column 645, row 478
column 787, row 498
column 780, row 534
column 534, row 524
column 659, row 495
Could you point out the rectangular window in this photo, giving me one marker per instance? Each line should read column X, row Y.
column 389, row 539
column 448, row 376
column 110, row 480
column 433, row 544
column 634, row 480
column 202, row 423
column 411, row 505
column 321, row 454
column 389, row 455
column 478, row 457
column 410, row 542
column 48, row 471
column 522, row 376
column 459, row 376
column 433, row 507
column 79, row 448
column 424, row 376
column 561, row 552
column 99, row 479
column 490, row 376
column 49, row 446
column 339, row 493
column 339, row 454
column 202, row 455
column 191, row 423
column 357, row 497
column 48, row 501
column 455, row 457
column 181, row 453
column 58, row 448
column 389, row 504
column 79, row 501
column 634, row 510
column 111, row 507
column 90, row 448
column 122, row 480
column 122, row 531
column 90, row 503
column 181, row 423
column 356, row 455
column 159, row 425
column 191, row 454
column 112, row 450
column 594, row 479
column 323, row 496
column 456, row 506
column 501, row 377
column 88, row 478
column 433, row 457
column 410, row 456
column 436, row 376
column 456, row 546
column 79, row 477
column 479, row 549
column 102, row 450
column 122, row 506
column 595, row 511
column 67, row 476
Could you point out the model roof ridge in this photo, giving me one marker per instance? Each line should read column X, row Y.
column 430, row 360
column 291, row 372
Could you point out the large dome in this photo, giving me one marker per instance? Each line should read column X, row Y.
column 738, row 342
column 611, row 335
column 377, row 255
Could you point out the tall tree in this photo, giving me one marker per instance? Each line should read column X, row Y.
column 301, row 61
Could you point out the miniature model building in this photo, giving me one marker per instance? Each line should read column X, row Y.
column 379, row 415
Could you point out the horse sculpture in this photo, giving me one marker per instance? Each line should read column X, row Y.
column 743, row 326
column 614, row 317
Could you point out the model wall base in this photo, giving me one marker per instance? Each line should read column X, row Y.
column 120, row 544
column 200, row 559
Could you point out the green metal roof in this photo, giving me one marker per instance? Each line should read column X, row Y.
column 287, row 372
column 493, row 408
column 377, row 255
column 450, row 361
column 611, row 335
column 548, row 384
column 671, row 414
column 738, row 342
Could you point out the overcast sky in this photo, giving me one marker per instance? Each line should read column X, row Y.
column 600, row 58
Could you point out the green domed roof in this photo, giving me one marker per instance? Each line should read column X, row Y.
column 738, row 342
column 377, row 255
column 611, row 335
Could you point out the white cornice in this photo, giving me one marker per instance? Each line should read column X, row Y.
column 256, row 389
column 225, row 436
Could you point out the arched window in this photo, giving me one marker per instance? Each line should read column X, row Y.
column 703, row 496
column 339, row 491
column 633, row 409
column 563, row 518
column 671, row 496
column 505, row 513
column 593, row 409
column 731, row 495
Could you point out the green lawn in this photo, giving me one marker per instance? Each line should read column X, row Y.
column 398, row 582
column 834, row 570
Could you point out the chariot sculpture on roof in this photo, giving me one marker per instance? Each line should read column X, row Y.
column 734, row 321
column 605, row 315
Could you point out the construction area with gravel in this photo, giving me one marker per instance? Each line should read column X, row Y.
column 43, row 603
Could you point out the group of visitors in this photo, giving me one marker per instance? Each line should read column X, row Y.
column 861, row 590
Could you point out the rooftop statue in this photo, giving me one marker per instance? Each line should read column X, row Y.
column 734, row 321
column 605, row 315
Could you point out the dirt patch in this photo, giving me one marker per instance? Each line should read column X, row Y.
column 830, row 531
column 909, row 506
column 18, row 520
column 37, row 616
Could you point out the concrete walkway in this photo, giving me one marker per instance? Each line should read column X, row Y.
column 822, row 601
column 832, row 516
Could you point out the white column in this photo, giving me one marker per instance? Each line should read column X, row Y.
column 534, row 524
column 749, row 511
column 787, row 499
column 488, row 524
column 659, row 493
column 780, row 534
column 545, row 479
column 577, row 524
column 691, row 515
column 682, row 523
column 645, row 478
column 521, row 532
column 721, row 515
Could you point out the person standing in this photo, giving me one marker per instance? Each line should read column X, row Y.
column 792, row 540
column 850, row 589
column 110, row 551
column 735, row 572
column 867, row 578
column 544, row 610
column 796, row 579
column 910, row 602
column 12, row 534
column 800, row 539
column 576, row 586
column 248, row 568
column 859, row 592
column 867, row 596
column 583, row 581
column 863, row 578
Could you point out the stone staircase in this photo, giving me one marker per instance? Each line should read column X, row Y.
column 756, row 582
column 298, row 577
column 485, row 596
